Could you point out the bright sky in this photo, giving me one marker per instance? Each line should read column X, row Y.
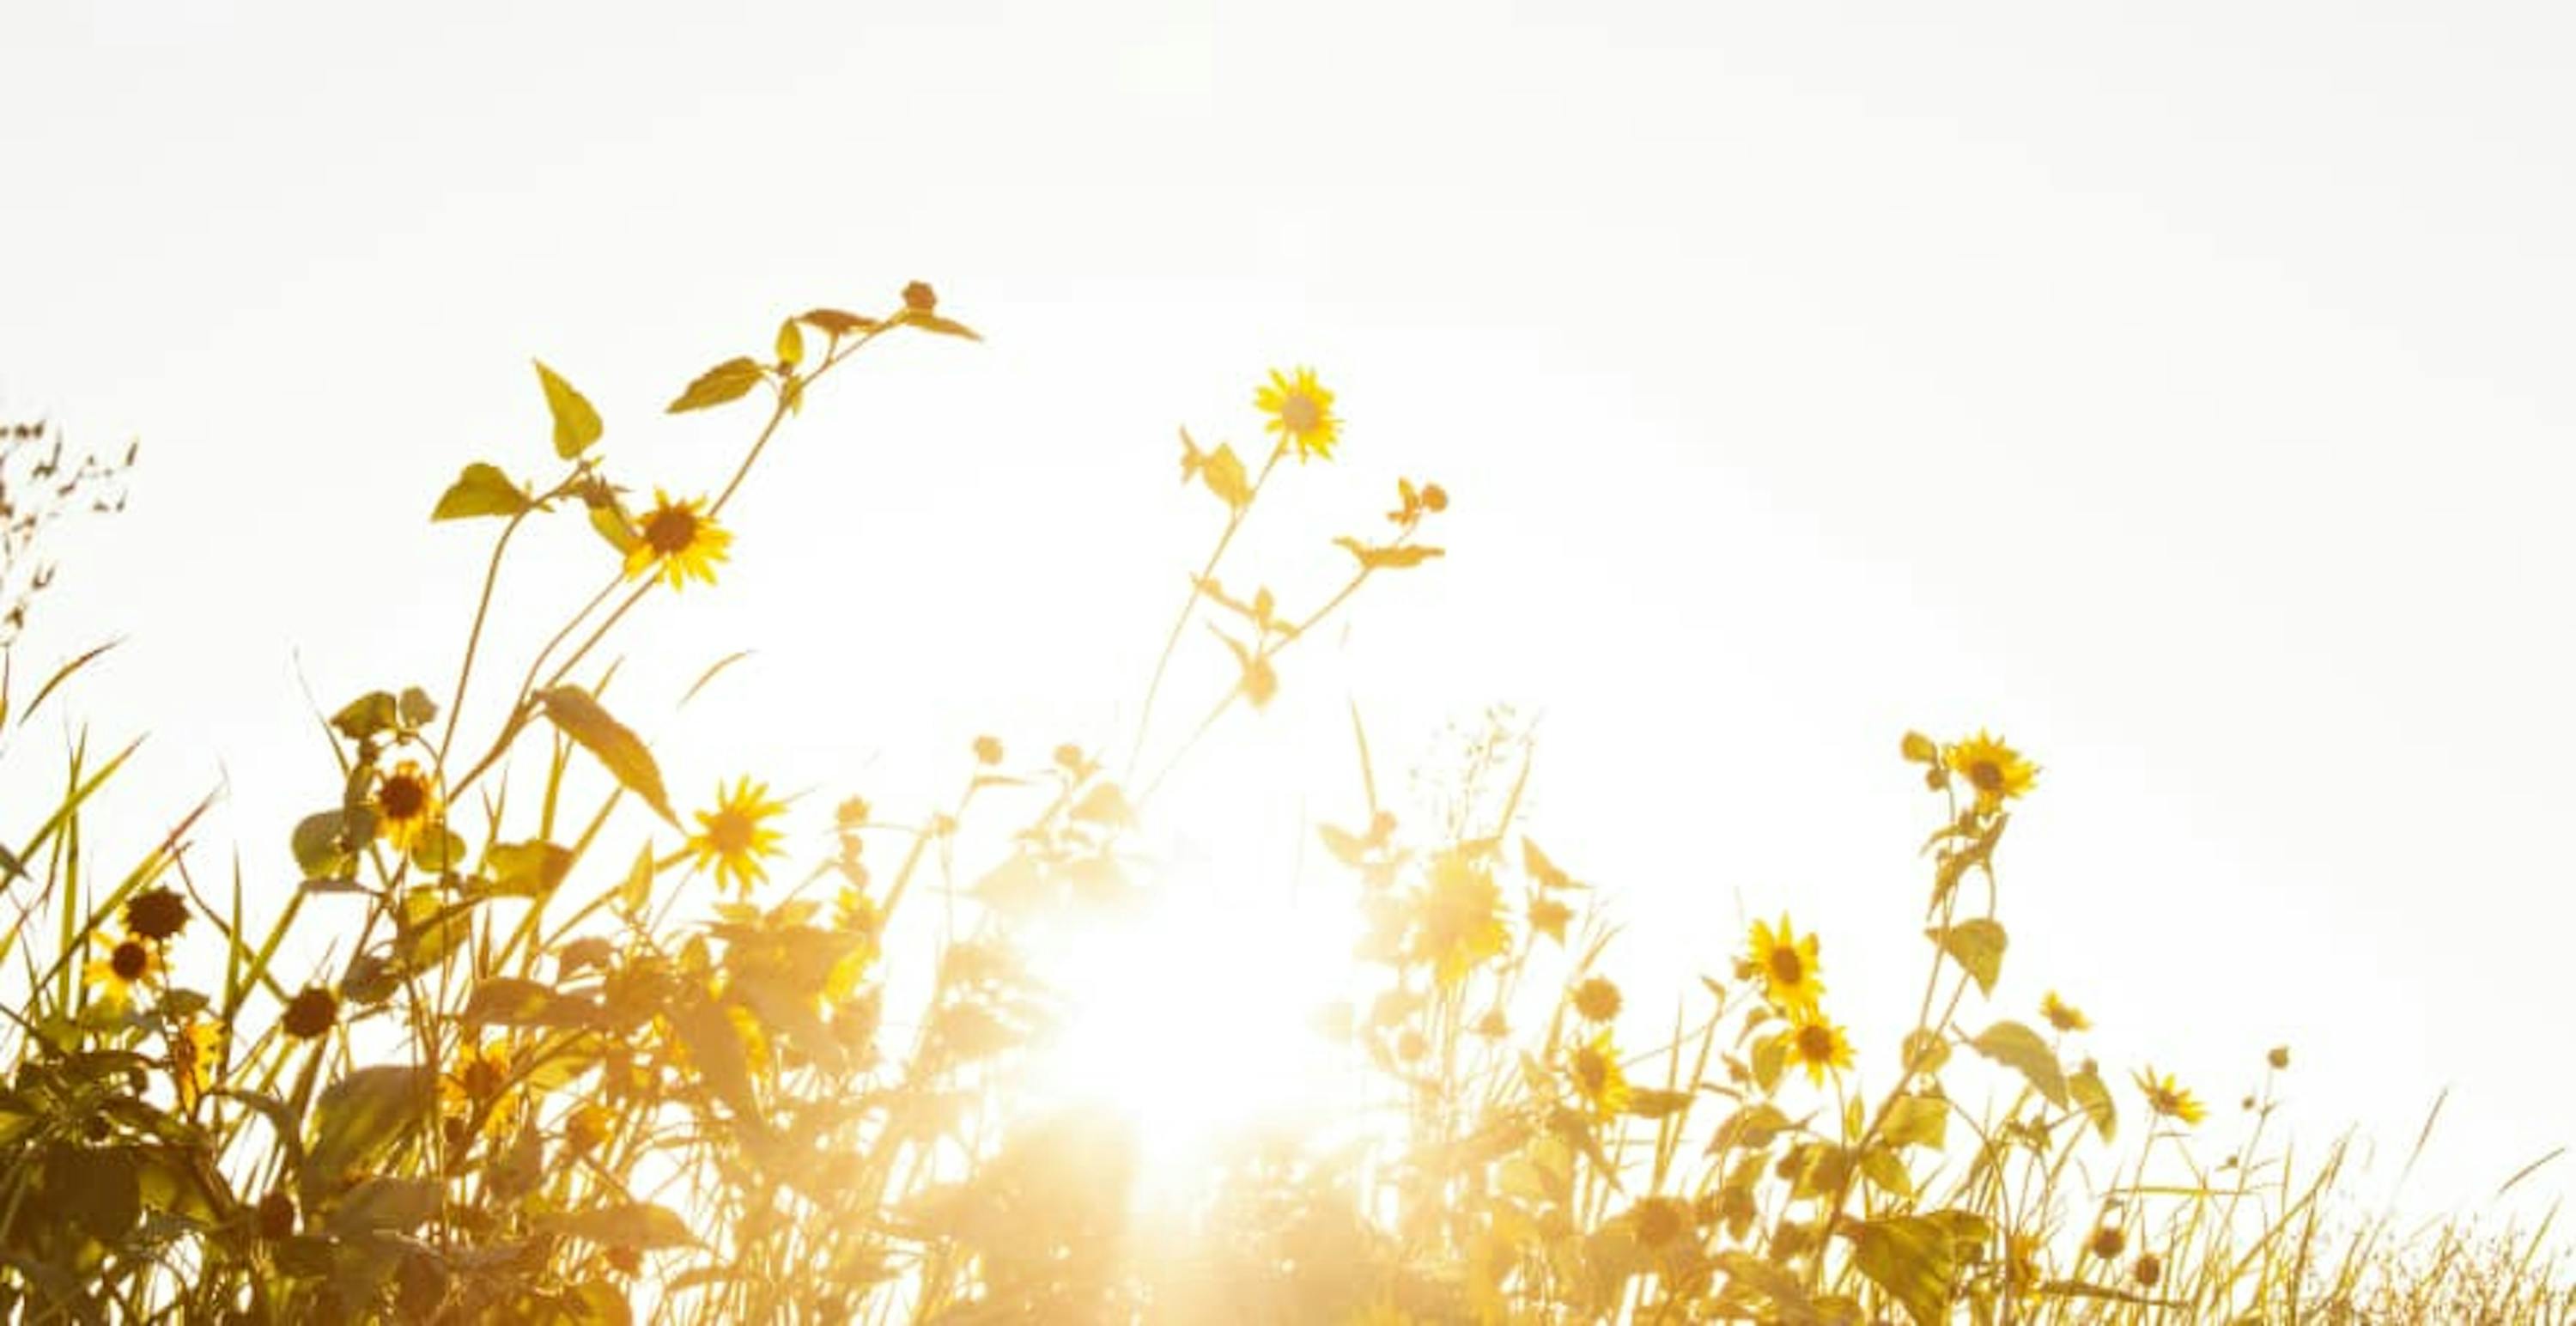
column 2179, row 390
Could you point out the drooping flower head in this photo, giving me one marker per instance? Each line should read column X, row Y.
column 2063, row 1015
column 736, row 834
column 2169, row 1100
column 679, row 538
column 1301, row 413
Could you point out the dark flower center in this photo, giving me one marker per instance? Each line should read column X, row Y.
column 130, row 960
column 1591, row 1071
column 1987, row 775
column 1816, row 1044
column 732, row 832
column 1787, row 967
column 403, row 797
column 1300, row 413
column 671, row 529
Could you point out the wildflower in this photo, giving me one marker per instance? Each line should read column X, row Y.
column 310, row 1013
column 406, row 805
column 1548, row 917
column 2278, row 1058
column 1814, row 1043
column 851, row 814
column 479, row 1084
column 2169, row 1100
column 586, row 1127
column 1301, row 412
column 2107, row 1243
column 1597, row 999
column 735, row 835
column 918, row 297
column 682, row 539
column 1996, row 770
column 1660, row 1220
column 1598, row 1078
column 124, row 965
column 2063, row 1015
column 1460, row 919
column 1787, row 966
column 193, row 1053
column 988, row 750
column 157, row 914
column 2148, row 1271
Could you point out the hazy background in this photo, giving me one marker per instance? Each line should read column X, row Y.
column 2180, row 390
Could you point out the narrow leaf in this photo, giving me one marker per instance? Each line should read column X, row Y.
column 724, row 382
column 616, row 746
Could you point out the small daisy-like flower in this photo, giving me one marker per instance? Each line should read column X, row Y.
column 2169, row 1100
column 2107, row 1243
column 122, row 967
column 312, row 1012
column 1597, row 999
column 1594, row 1066
column 1787, row 966
column 479, row 1085
column 406, row 805
column 1995, row 770
column 1459, row 919
column 679, row 538
column 1301, row 413
column 736, row 834
column 2063, row 1015
column 157, row 913
column 1814, row 1043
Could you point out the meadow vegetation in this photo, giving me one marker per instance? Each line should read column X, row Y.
column 535, row 1038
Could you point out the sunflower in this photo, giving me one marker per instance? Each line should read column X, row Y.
column 1597, row 999
column 1996, row 770
column 1814, row 1043
column 1460, row 919
column 479, row 1085
column 310, row 1013
column 735, row 835
column 2063, row 1015
column 683, row 540
column 157, row 913
column 1594, row 1066
column 406, row 805
column 1301, row 412
column 122, row 965
column 2169, row 1100
column 1787, row 966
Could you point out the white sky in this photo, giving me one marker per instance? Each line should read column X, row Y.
column 2178, row 389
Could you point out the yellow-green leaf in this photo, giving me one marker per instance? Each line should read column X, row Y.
column 724, row 382
column 1393, row 557
column 527, row 870
column 369, row 714
column 642, row 1226
column 482, row 490
column 2019, row 1048
column 626, row 756
column 791, row 344
column 361, row 1116
column 1916, row 1121
column 932, row 322
column 1912, row 1259
column 2085, row 1085
column 576, row 424
column 834, row 322
column 1884, row 1168
column 1977, row 946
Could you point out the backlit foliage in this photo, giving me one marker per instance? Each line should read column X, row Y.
column 522, row 1044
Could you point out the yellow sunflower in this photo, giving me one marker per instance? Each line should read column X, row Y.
column 406, row 805
column 1301, row 413
column 2169, row 1100
column 123, row 965
column 480, row 1085
column 682, row 539
column 736, row 834
column 1996, row 770
column 194, row 1052
column 2063, row 1015
column 1460, row 919
column 1594, row 1066
column 1787, row 966
column 1814, row 1043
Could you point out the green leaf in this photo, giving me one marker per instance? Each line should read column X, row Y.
column 368, row 715
column 1912, row 1259
column 439, row 852
column 724, row 382
column 1916, row 1121
column 415, row 708
column 1753, row 1126
column 576, row 424
column 385, row 1205
column 482, row 490
column 2018, row 1047
column 1885, row 1168
column 510, row 1002
column 642, row 1226
column 716, row 1050
column 325, row 843
column 1977, row 946
column 2085, row 1085
column 527, row 870
column 611, row 742
column 833, row 322
column 360, row 1117
column 932, row 322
